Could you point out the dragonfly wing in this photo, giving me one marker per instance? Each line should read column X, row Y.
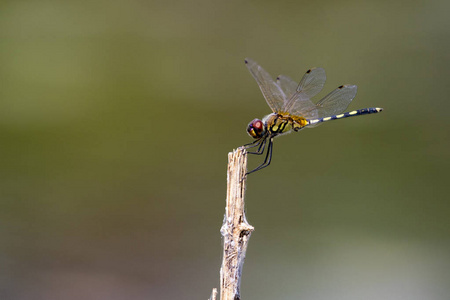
column 313, row 81
column 275, row 97
column 310, row 85
column 288, row 85
column 337, row 101
column 303, row 106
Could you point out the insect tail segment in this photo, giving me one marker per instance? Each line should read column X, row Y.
column 359, row 112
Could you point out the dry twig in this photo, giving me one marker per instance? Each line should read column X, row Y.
column 235, row 229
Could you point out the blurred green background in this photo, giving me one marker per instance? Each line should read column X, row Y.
column 116, row 118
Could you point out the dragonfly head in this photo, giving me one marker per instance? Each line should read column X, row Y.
column 256, row 129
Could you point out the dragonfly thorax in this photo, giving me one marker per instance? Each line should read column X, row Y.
column 282, row 123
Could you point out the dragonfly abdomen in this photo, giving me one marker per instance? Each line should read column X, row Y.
column 359, row 112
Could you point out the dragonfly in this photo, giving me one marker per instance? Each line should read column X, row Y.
column 292, row 108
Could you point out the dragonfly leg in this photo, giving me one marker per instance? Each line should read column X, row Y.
column 260, row 143
column 252, row 144
column 268, row 158
column 261, row 147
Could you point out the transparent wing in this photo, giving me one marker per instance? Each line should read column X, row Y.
column 275, row 97
column 303, row 106
column 288, row 85
column 311, row 84
column 337, row 101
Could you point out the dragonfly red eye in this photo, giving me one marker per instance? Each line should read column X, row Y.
column 256, row 128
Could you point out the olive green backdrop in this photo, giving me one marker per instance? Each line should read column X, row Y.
column 116, row 118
